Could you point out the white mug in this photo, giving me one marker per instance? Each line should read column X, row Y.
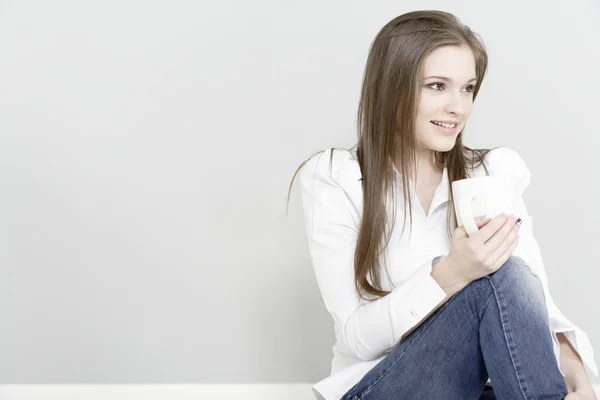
column 485, row 195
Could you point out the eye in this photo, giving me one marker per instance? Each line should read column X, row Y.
column 434, row 86
column 435, row 83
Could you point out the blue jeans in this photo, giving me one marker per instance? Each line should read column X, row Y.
column 496, row 327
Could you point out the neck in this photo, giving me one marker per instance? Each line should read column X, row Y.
column 426, row 165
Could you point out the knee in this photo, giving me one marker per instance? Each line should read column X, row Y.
column 514, row 269
column 517, row 280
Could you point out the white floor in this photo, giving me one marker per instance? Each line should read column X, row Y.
column 157, row 392
column 162, row 392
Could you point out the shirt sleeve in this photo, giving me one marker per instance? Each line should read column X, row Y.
column 366, row 328
column 528, row 249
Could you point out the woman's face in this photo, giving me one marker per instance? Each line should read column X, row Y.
column 445, row 95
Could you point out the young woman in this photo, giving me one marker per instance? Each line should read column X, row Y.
column 431, row 313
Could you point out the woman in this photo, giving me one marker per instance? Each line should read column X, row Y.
column 431, row 313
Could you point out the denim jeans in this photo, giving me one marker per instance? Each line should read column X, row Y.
column 496, row 327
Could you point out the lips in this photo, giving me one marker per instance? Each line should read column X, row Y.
column 444, row 122
column 446, row 131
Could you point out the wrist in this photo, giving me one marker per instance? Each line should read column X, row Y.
column 579, row 384
column 443, row 272
column 587, row 391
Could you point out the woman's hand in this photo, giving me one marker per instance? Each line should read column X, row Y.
column 581, row 396
column 485, row 251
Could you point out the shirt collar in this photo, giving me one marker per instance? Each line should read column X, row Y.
column 445, row 179
column 441, row 193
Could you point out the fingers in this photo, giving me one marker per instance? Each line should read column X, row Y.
column 461, row 233
column 500, row 236
column 484, row 234
column 507, row 248
column 481, row 221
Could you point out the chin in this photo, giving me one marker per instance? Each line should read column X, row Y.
column 444, row 147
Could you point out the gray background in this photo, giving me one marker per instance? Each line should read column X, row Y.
column 146, row 150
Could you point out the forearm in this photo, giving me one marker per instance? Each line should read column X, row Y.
column 571, row 365
column 447, row 280
column 444, row 277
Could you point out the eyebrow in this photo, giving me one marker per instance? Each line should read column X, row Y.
column 448, row 79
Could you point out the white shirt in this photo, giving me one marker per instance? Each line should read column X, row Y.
column 366, row 331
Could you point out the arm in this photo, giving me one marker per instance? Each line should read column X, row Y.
column 331, row 217
column 446, row 279
column 570, row 363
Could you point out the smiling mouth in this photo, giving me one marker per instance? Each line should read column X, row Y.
column 444, row 125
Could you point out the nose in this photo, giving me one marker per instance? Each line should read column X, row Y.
column 457, row 103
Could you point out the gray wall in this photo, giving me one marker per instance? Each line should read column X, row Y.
column 146, row 150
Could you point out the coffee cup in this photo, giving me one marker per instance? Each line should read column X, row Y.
column 486, row 196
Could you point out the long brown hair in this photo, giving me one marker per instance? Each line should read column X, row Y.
column 385, row 127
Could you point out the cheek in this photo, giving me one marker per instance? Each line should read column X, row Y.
column 427, row 107
column 467, row 110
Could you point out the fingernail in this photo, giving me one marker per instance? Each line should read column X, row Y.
column 519, row 221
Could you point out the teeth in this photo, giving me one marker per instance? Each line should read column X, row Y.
column 444, row 125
